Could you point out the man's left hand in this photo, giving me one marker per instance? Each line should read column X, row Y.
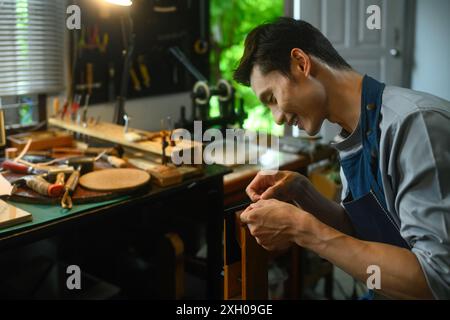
column 274, row 224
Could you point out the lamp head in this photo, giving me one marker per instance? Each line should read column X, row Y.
column 123, row 3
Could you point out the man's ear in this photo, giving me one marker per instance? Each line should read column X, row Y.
column 301, row 60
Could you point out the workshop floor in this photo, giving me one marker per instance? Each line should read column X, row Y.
column 342, row 289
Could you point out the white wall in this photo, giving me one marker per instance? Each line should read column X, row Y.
column 431, row 70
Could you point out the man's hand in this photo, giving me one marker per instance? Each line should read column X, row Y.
column 288, row 186
column 274, row 224
column 284, row 186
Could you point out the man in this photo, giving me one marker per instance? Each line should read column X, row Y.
column 395, row 159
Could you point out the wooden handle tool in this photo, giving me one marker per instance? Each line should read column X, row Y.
column 116, row 162
column 60, row 178
column 71, row 185
column 39, row 185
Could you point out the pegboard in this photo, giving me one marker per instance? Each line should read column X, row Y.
column 158, row 25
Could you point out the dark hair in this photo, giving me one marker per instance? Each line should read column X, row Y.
column 269, row 46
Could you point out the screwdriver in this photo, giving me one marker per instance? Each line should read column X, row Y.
column 20, row 168
column 65, row 108
column 85, row 110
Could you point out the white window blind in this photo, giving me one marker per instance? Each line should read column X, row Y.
column 31, row 46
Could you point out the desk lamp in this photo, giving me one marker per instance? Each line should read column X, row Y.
column 129, row 37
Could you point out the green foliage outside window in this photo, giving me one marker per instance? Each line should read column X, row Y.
column 231, row 21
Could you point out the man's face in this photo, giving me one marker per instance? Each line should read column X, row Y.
column 298, row 101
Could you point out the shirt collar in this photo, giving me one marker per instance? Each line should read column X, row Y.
column 349, row 142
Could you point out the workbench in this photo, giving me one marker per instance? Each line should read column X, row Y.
column 199, row 198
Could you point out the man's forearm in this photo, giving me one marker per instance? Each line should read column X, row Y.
column 336, row 218
column 401, row 274
column 327, row 211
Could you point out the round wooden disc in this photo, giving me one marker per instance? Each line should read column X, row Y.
column 114, row 179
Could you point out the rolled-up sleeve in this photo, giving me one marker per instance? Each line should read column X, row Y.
column 420, row 176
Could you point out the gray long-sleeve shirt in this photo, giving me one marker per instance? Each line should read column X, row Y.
column 415, row 170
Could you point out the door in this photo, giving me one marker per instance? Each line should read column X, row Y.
column 376, row 52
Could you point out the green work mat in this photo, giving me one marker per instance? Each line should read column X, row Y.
column 47, row 213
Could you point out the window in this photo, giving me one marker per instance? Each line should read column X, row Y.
column 231, row 20
column 31, row 55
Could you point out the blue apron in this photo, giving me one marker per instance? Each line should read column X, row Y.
column 366, row 203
